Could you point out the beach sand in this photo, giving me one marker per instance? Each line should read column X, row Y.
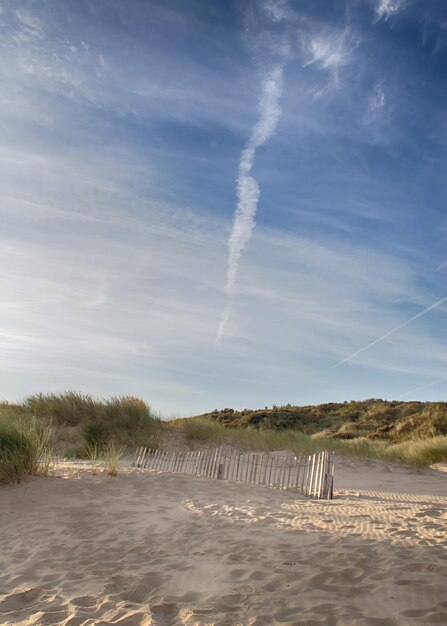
column 159, row 549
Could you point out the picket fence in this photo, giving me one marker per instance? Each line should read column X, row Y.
column 312, row 476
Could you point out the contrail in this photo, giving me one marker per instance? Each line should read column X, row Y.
column 435, row 382
column 391, row 332
column 247, row 189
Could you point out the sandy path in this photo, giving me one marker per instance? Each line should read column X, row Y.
column 157, row 549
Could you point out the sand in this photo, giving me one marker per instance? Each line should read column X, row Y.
column 156, row 549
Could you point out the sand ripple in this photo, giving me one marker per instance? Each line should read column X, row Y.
column 161, row 550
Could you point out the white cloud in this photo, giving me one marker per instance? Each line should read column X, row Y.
column 276, row 9
column 377, row 98
column 120, row 296
column 387, row 8
column 37, row 57
column 30, row 27
column 330, row 51
column 109, row 287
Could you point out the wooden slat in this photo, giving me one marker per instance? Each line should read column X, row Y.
column 324, row 477
column 251, row 465
column 154, row 459
column 181, row 462
column 289, row 473
column 201, row 463
column 212, row 464
column 165, row 460
column 147, row 458
column 216, row 462
column 296, row 485
column 206, row 471
column 135, row 457
column 206, row 463
column 237, row 466
column 306, row 476
column 199, row 460
column 278, row 472
column 331, row 492
column 316, row 475
column 283, row 472
column 188, row 462
column 172, row 462
column 270, row 471
column 140, row 456
column 143, row 457
column 311, row 475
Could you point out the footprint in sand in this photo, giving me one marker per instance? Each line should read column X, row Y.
column 21, row 599
column 164, row 614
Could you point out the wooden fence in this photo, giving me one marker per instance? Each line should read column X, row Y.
column 312, row 476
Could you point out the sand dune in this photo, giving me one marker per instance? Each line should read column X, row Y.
column 156, row 549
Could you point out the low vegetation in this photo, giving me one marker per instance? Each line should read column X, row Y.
column 409, row 432
column 75, row 425
column 78, row 419
column 78, row 425
column 376, row 420
column 103, row 455
column 25, row 447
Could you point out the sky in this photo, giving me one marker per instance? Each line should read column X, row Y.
column 226, row 203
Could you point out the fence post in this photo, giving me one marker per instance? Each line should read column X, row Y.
column 312, row 476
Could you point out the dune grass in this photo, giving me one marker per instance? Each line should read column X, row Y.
column 419, row 452
column 82, row 419
column 81, row 426
column 24, row 446
column 76, row 425
column 106, row 455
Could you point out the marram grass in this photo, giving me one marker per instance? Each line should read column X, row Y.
column 419, row 452
column 24, row 446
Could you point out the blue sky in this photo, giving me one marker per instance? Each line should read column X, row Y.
column 213, row 204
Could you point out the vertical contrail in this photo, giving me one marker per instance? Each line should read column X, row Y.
column 392, row 331
column 247, row 189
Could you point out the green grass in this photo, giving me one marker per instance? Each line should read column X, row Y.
column 78, row 419
column 24, row 446
column 108, row 454
column 413, row 433
column 203, row 432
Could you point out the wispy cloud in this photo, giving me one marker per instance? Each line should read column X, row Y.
column 276, row 9
column 330, row 50
column 386, row 8
column 392, row 331
column 377, row 98
column 117, row 159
